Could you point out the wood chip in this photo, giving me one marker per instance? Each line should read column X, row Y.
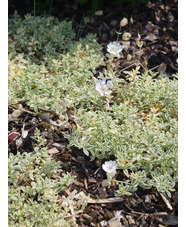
column 80, row 158
column 92, row 180
column 53, row 150
column 108, row 214
column 108, row 200
column 78, row 183
column 85, row 183
column 87, row 217
column 102, row 193
column 114, row 222
column 59, row 145
column 67, row 192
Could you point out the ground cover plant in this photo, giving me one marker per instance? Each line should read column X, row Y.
column 34, row 183
column 139, row 130
column 131, row 121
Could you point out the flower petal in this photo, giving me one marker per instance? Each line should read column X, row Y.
column 112, row 174
column 100, row 91
column 105, row 168
column 108, row 92
column 109, row 84
column 98, row 85
column 103, row 81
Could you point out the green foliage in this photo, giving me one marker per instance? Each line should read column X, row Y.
column 138, row 127
column 66, row 77
column 63, row 62
column 140, row 130
column 34, row 181
column 40, row 37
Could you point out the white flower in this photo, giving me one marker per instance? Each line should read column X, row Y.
column 123, row 22
column 110, row 168
column 126, row 36
column 103, row 88
column 114, row 48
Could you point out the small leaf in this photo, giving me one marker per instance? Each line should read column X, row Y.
column 86, row 152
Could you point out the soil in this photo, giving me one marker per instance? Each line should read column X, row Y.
column 157, row 24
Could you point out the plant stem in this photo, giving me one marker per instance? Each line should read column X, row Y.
column 118, row 33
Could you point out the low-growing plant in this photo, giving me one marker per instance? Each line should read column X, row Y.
column 67, row 77
column 134, row 122
column 139, row 129
column 39, row 36
column 34, row 181
column 60, row 75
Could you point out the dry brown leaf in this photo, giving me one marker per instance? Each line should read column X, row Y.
column 151, row 37
column 53, row 150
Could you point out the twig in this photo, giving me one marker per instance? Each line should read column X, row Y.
column 108, row 200
column 166, row 202
column 157, row 214
column 96, row 171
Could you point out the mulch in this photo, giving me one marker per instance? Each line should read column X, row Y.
column 142, row 208
column 157, row 24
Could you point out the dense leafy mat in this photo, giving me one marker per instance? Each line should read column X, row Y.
column 135, row 124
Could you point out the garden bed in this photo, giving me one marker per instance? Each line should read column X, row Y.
column 91, row 107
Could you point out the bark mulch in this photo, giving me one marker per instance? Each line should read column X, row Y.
column 157, row 24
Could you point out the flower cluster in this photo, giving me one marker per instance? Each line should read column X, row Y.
column 114, row 49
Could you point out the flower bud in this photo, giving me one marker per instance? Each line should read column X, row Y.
column 126, row 36
column 123, row 22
